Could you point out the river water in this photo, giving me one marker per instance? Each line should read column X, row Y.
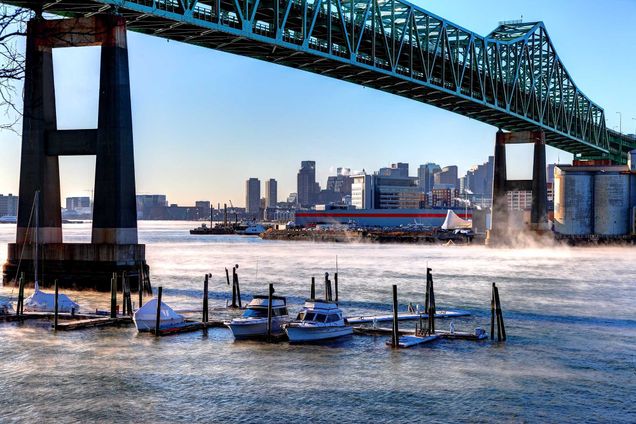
column 570, row 316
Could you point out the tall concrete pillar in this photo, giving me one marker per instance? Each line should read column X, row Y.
column 39, row 172
column 499, row 219
column 539, row 212
column 114, row 211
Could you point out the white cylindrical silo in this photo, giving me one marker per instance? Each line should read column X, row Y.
column 573, row 202
column 611, row 204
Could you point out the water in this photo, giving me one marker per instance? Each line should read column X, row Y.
column 570, row 317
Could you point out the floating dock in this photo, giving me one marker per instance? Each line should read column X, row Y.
column 94, row 323
column 406, row 317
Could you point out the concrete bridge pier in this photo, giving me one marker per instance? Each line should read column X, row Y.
column 114, row 246
column 503, row 231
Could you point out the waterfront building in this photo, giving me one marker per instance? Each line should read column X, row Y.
column 271, row 193
column 8, row 205
column 252, row 196
column 307, row 186
column 384, row 192
column 479, row 179
column 75, row 203
column 382, row 218
column 362, row 191
column 519, row 200
column 399, row 169
column 425, row 176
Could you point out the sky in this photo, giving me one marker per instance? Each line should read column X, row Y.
column 205, row 121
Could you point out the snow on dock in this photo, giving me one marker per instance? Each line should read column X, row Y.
column 406, row 317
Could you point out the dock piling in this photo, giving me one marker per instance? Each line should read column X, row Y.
column 140, row 287
column 270, row 311
column 501, row 329
column 335, row 282
column 56, row 306
column 238, row 289
column 158, row 320
column 312, row 293
column 113, row 296
column 20, row 306
column 395, row 338
column 206, row 311
column 492, row 313
column 129, row 306
column 234, row 287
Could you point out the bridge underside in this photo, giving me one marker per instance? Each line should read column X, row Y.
column 390, row 49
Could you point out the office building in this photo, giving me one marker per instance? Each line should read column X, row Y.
column 399, row 169
column 252, row 196
column 384, row 192
column 271, row 193
column 8, row 205
column 425, row 176
column 306, row 184
column 75, row 203
column 151, row 206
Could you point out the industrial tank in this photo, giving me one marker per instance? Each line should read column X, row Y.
column 611, row 204
column 573, row 198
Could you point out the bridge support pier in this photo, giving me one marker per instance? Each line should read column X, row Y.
column 502, row 231
column 114, row 246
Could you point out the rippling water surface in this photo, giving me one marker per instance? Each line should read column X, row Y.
column 570, row 317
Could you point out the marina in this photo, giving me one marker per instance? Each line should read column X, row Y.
column 548, row 341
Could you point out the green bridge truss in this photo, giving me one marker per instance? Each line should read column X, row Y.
column 512, row 79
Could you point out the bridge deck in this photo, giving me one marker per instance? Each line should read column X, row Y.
column 512, row 79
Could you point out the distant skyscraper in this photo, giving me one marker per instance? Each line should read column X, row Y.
column 425, row 176
column 306, row 184
column 479, row 179
column 73, row 203
column 252, row 196
column 446, row 176
column 399, row 169
column 271, row 193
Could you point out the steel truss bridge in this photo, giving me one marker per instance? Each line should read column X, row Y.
column 512, row 79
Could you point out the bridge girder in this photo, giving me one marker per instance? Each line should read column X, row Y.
column 512, row 79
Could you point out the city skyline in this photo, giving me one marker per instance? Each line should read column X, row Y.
column 176, row 154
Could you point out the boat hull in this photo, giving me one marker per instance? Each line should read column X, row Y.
column 144, row 325
column 311, row 334
column 255, row 329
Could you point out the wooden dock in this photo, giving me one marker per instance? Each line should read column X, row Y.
column 94, row 323
column 44, row 316
column 409, row 338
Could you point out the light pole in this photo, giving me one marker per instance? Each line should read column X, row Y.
column 620, row 122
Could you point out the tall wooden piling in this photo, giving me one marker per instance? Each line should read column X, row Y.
column 328, row 295
column 428, row 289
column 335, row 282
column 492, row 313
column 501, row 329
column 56, row 308
column 238, row 288
column 395, row 338
column 312, row 292
column 234, row 287
column 129, row 307
column 270, row 299
column 20, row 306
column 206, row 311
column 140, row 287
column 113, row 296
column 158, row 320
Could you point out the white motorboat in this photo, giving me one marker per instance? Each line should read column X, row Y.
column 41, row 301
column 253, row 323
column 318, row 320
column 252, row 230
column 145, row 318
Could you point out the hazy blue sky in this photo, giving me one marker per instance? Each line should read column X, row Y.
column 205, row 121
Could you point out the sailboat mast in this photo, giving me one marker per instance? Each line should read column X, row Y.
column 37, row 231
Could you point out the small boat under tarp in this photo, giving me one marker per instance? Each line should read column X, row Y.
column 41, row 301
column 5, row 307
column 145, row 318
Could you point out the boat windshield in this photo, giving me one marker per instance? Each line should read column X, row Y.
column 332, row 318
column 255, row 313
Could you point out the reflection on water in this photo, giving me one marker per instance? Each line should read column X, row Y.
column 570, row 316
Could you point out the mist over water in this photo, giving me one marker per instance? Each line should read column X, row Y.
column 570, row 317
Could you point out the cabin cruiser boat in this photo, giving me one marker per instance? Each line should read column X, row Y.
column 252, row 230
column 145, row 318
column 253, row 323
column 41, row 301
column 318, row 320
